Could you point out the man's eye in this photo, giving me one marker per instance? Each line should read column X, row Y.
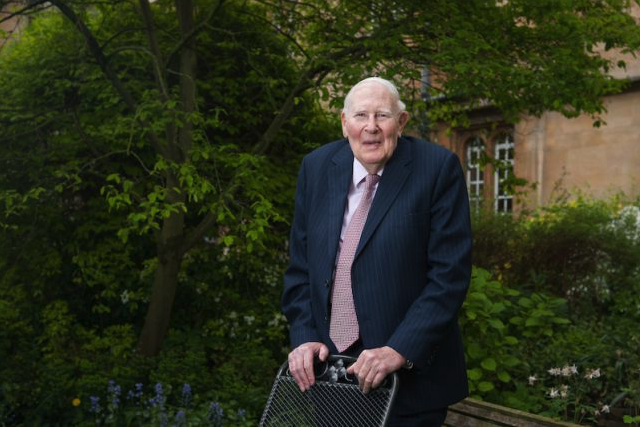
column 383, row 115
column 360, row 115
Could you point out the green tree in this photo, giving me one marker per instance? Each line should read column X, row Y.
column 173, row 166
column 148, row 155
column 82, row 189
column 165, row 113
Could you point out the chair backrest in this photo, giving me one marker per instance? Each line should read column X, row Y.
column 334, row 400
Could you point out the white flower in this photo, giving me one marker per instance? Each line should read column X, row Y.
column 605, row 409
column 124, row 297
column 628, row 221
column 591, row 374
column 555, row 371
column 573, row 369
column 553, row 393
column 564, row 391
column 532, row 380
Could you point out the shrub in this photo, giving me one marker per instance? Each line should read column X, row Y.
column 574, row 261
column 584, row 250
column 500, row 326
column 161, row 406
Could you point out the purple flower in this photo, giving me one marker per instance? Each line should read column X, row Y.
column 95, row 404
column 215, row 414
column 186, row 394
column 242, row 414
column 181, row 418
column 114, row 392
column 159, row 399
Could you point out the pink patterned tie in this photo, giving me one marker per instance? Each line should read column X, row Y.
column 343, row 329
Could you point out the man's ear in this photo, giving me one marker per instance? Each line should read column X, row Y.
column 402, row 121
column 343, row 119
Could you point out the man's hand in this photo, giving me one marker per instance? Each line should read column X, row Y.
column 374, row 365
column 301, row 363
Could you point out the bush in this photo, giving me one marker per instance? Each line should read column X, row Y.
column 585, row 251
column 159, row 406
column 574, row 261
column 500, row 327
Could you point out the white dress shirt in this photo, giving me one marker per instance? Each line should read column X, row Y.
column 356, row 191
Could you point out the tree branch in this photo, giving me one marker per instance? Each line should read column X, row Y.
column 317, row 73
column 154, row 47
column 190, row 34
column 99, row 56
column 10, row 15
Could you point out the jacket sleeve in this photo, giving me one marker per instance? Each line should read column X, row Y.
column 431, row 317
column 296, row 297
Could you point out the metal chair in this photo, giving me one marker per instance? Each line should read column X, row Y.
column 334, row 400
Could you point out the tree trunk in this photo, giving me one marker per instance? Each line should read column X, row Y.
column 156, row 323
column 165, row 280
column 171, row 247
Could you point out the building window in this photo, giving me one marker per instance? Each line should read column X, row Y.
column 504, row 146
column 475, row 175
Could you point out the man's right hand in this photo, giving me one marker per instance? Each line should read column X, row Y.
column 301, row 363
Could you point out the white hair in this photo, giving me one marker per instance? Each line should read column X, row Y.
column 386, row 83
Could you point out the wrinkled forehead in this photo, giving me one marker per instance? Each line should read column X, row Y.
column 372, row 95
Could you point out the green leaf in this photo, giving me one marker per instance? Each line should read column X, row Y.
column 510, row 361
column 504, row 376
column 496, row 324
column 486, row 386
column 489, row 364
column 474, row 374
column 510, row 340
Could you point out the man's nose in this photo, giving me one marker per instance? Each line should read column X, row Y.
column 372, row 124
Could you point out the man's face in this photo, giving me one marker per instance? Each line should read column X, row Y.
column 373, row 124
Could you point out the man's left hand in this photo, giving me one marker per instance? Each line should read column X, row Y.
column 374, row 365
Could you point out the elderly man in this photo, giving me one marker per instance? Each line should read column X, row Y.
column 380, row 258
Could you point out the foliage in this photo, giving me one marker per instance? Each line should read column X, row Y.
column 147, row 163
column 631, row 420
column 531, row 256
column 499, row 325
column 162, row 407
column 79, row 188
column 573, row 394
column 583, row 250
column 509, row 43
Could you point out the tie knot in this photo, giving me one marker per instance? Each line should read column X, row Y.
column 371, row 180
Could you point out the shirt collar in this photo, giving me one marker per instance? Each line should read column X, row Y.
column 359, row 172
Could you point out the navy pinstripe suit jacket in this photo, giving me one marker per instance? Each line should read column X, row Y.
column 411, row 270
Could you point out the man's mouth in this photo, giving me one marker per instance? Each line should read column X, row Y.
column 371, row 142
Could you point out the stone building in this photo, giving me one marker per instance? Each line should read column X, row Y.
column 557, row 154
column 10, row 24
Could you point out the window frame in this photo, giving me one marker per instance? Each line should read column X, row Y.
column 474, row 149
column 504, row 154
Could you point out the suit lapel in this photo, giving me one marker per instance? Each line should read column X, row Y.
column 393, row 178
column 340, row 174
